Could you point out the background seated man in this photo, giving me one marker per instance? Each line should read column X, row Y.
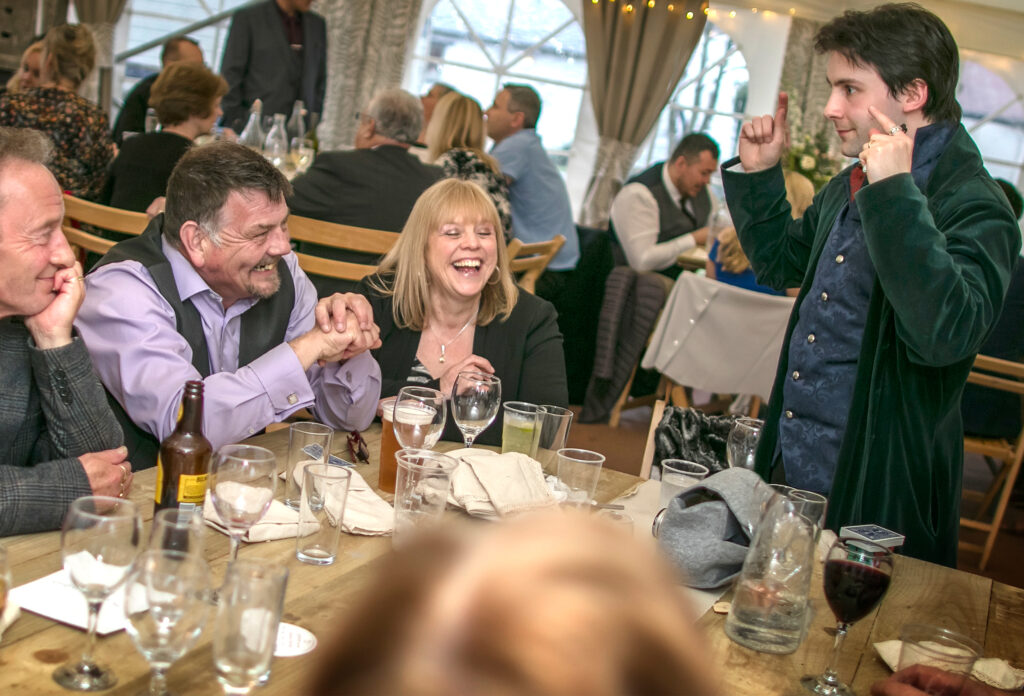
column 666, row 209
column 58, row 438
column 212, row 291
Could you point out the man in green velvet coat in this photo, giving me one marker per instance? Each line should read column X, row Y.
column 902, row 261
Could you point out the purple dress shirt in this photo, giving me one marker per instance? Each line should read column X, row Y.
column 142, row 360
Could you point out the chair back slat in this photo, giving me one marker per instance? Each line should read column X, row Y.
column 531, row 260
column 364, row 239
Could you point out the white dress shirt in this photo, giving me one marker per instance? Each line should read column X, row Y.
column 637, row 223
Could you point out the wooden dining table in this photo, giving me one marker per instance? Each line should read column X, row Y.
column 317, row 596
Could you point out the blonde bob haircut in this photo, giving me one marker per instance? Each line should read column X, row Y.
column 458, row 124
column 406, row 262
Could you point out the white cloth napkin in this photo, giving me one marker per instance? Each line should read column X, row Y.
column 492, row 485
column 365, row 514
column 991, row 670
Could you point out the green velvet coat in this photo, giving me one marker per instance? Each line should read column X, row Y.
column 943, row 259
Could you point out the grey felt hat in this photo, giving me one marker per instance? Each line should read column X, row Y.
column 706, row 529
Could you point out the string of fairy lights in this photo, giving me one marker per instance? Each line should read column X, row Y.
column 629, row 7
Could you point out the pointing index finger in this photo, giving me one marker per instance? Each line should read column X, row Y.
column 884, row 121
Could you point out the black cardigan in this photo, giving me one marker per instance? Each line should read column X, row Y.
column 525, row 350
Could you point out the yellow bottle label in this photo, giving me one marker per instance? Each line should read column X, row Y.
column 192, row 489
column 159, row 480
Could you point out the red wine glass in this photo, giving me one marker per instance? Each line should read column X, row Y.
column 857, row 574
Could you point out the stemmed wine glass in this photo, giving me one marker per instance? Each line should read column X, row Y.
column 166, row 607
column 419, row 417
column 476, row 398
column 857, row 575
column 242, row 480
column 98, row 542
column 742, row 442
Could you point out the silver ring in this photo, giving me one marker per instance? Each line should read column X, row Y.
column 894, row 130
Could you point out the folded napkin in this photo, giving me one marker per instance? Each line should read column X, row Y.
column 365, row 514
column 495, row 485
column 991, row 670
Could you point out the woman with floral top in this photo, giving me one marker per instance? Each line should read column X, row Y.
column 455, row 142
column 77, row 127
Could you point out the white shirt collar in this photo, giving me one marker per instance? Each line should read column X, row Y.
column 669, row 186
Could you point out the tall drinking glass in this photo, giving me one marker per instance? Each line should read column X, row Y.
column 579, row 470
column 742, row 442
column 245, row 631
column 388, row 446
column 98, row 542
column 242, row 481
column 421, row 490
column 476, row 398
column 419, row 417
column 857, row 575
column 317, row 437
column 166, row 607
column 519, row 428
column 551, row 435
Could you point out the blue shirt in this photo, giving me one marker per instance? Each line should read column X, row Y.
column 746, row 280
column 540, row 201
column 826, row 342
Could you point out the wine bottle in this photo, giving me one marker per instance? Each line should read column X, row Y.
column 183, row 465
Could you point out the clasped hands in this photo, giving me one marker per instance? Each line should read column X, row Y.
column 344, row 328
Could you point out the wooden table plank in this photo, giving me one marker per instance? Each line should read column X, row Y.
column 1005, row 635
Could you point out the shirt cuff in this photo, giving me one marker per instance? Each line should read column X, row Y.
column 283, row 380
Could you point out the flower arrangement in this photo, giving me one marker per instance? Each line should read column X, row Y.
column 810, row 152
column 809, row 155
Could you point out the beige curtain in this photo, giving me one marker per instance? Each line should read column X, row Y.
column 101, row 16
column 366, row 44
column 635, row 56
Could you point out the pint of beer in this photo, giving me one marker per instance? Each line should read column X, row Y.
column 388, row 447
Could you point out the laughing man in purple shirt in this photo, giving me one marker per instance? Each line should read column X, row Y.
column 211, row 290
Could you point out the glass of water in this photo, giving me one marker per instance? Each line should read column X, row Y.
column 742, row 442
column 677, row 475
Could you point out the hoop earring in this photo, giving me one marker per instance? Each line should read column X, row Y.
column 495, row 278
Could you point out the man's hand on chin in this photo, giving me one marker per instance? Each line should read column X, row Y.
column 51, row 328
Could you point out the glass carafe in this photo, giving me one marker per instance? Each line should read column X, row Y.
column 275, row 147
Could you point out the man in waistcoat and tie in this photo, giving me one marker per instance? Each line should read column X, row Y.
column 212, row 291
column 666, row 210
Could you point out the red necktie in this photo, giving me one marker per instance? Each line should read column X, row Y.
column 857, row 177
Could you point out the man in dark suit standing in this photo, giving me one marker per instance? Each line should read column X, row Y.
column 374, row 185
column 58, row 438
column 276, row 52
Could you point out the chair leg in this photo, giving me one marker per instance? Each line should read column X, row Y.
column 613, row 419
column 1004, row 499
column 998, row 483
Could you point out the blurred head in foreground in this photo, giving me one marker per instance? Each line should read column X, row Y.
column 545, row 605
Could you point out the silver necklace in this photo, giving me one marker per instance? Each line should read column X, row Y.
column 444, row 346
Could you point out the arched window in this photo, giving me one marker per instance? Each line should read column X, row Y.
column 477, row 45
column 994, row 116
column 710, row 98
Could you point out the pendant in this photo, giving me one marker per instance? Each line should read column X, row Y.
column 441, row 359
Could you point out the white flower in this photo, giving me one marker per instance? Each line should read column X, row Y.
column 807, row 162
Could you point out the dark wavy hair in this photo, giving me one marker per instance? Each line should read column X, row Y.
column 903, row 42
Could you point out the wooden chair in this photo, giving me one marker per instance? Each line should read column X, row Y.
column 341, row 237
column 78, row 212
column 528, row 261
column 648, row 458
column 1008, row 376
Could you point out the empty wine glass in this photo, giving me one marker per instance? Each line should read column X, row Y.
column 242, row 480
column 98, row 542
column 476, row 398
column 857, row 575
column 165, row 604
column 419, row 417
column 742, row 442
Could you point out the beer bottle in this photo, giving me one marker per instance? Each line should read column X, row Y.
column 184, row 461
